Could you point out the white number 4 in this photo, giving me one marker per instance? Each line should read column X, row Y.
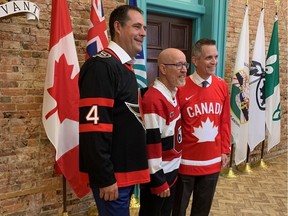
column 93, row 114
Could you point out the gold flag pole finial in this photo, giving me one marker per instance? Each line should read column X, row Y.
column 277, row 2
column 246, row 2
column 263, row 2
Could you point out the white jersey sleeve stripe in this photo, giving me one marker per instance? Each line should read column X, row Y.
column 170, row 166
column 201, row 163
column 155, row 165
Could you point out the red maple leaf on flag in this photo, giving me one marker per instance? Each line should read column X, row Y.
column 64, row 91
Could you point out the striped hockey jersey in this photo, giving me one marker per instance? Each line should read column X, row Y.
column 112, row 137
column 162, row 121
column 205, row 126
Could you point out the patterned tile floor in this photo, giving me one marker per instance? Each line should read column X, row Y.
column 262, row 191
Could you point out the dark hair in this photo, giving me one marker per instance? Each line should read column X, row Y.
column 197, row 48
column 120, row 14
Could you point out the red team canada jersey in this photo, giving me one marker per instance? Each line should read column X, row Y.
column 205, row 126
column 162, row 121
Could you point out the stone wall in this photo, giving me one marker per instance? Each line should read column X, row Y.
column 28, row 185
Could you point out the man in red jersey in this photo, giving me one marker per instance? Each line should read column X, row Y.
column 205, row 111
column 162, row 120
column 112, row 141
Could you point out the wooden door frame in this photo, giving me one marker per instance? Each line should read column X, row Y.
column 202, row 13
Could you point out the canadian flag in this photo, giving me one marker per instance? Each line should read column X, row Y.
column 61, row 98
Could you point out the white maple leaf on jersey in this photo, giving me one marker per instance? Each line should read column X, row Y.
column 206, row 132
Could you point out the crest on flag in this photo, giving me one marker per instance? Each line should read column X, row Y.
column 239, row 101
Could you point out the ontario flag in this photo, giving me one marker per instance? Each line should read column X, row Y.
column 97, row 33
column 61, row 98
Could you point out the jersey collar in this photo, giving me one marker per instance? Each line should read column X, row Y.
column 121, row 53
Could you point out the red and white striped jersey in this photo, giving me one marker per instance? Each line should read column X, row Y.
column 162, row 121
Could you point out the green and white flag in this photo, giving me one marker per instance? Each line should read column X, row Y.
column 272, row 89
column 239, row 102
column 256, row 133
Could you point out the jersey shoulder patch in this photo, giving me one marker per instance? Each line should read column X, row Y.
column 103, row 54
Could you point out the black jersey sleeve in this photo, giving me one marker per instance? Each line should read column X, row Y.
column 97, row 86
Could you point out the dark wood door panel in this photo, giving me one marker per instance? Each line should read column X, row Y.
column 179, row 37
column 154, row 35
column 152, row 67
column 163, row 32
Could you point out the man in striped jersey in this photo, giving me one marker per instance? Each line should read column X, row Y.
column 162, row 121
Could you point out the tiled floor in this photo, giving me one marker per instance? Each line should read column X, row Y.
column 263, row 191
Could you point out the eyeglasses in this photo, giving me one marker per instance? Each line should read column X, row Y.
column 180, row 65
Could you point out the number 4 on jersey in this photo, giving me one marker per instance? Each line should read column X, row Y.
column 93, row 114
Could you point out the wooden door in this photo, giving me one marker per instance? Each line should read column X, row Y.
column 164, row 32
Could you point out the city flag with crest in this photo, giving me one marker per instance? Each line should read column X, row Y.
column 239, row 101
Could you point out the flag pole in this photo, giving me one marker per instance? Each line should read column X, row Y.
column 65, row 213
column 231, row 173
column 262, row 163
column 247, row 168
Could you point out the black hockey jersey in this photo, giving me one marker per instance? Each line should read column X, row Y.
column 112, row 137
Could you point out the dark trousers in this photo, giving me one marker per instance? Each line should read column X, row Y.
column 153, row 205
column 203, row 189
column 119, row 207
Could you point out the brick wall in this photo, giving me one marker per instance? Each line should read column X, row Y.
column 28, row 185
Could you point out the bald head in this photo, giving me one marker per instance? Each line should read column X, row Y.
column 169, row 55
column 170, row 74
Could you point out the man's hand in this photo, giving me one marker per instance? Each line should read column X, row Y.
column 224, row 159
column 109, row 193
column 165, row 193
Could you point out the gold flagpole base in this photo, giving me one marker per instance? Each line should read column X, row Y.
column 247, row 168
column 134, row 203
column 263, row 164
column 93, row 211
column 230, row 174
column 65, row 214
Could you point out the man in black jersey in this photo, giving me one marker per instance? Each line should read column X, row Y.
column 112, row 137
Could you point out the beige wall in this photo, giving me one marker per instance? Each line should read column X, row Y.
column 28, row 185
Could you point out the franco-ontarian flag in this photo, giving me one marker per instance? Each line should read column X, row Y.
column 139, row 65
column 256, row 133
column 272, row 89
column 239, row 102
